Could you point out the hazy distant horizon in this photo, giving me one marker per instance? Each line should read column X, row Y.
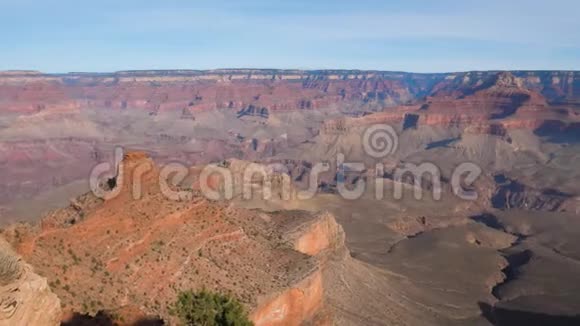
column 288, row 70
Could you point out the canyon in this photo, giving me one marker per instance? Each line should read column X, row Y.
column 289, row 258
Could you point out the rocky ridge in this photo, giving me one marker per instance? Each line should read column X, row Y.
column 136, row 254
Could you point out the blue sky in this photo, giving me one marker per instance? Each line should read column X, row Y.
column 407, row 35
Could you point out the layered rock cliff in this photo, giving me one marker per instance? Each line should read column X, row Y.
column 492, row 105
column 271, row 89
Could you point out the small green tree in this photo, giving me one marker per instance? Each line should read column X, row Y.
column 205, row 308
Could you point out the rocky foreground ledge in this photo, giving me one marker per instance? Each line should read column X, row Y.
column 25, row 297
column 133, row 256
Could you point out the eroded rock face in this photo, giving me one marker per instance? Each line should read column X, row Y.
column 487, row 129
column 319, row 237
column 323, row 234
column 25, row 297
column 253, row 111
column 513, row 194
column 295, row 306
column 494, row 105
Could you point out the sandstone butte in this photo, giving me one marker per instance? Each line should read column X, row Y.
column 132, row 256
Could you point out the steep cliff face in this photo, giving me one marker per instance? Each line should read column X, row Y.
column 319, row 237
column 25, row 297
column 295, row 306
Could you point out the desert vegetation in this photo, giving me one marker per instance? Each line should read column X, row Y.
column 10, row 268
column 207, row 308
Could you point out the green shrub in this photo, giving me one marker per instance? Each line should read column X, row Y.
column 205, row 308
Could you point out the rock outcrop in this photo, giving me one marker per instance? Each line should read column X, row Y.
column 137, row 248
column 25, row 297
column 513, row 194
column 295, row 306
column 321, row 235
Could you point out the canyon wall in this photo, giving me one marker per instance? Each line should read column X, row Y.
column 156, row 91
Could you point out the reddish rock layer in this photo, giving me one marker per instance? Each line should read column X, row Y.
column 272, row 89
column 501, row 103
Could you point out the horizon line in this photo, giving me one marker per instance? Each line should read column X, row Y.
column 282, row 70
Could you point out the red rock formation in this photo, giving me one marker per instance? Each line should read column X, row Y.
column 294, row 306
column 492, row 105
column 322, row 235
column 137, row 248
